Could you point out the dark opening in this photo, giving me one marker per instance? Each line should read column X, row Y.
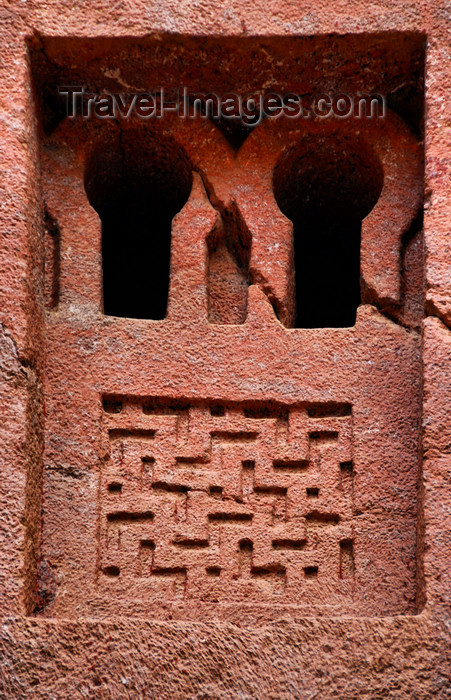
column 311, row 571
column 326, row 186
column 312, row 492
column 137, row 185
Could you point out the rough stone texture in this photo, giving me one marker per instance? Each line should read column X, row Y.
column 385, row 633
column 304, row 409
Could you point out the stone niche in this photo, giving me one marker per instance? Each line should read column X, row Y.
column 233, row 359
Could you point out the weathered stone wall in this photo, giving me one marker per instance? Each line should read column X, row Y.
column 221, row 497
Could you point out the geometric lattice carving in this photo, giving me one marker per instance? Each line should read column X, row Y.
column 221, row 502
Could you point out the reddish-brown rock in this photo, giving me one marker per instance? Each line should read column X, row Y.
column 207, row 489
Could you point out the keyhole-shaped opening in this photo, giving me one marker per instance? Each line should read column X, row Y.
column 326, row 186
column 137, row 184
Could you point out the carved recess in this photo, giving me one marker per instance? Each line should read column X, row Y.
column 264, row 494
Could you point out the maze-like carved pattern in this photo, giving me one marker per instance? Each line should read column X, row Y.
column 220, row 502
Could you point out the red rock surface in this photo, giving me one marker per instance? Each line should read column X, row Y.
column 218, row 502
